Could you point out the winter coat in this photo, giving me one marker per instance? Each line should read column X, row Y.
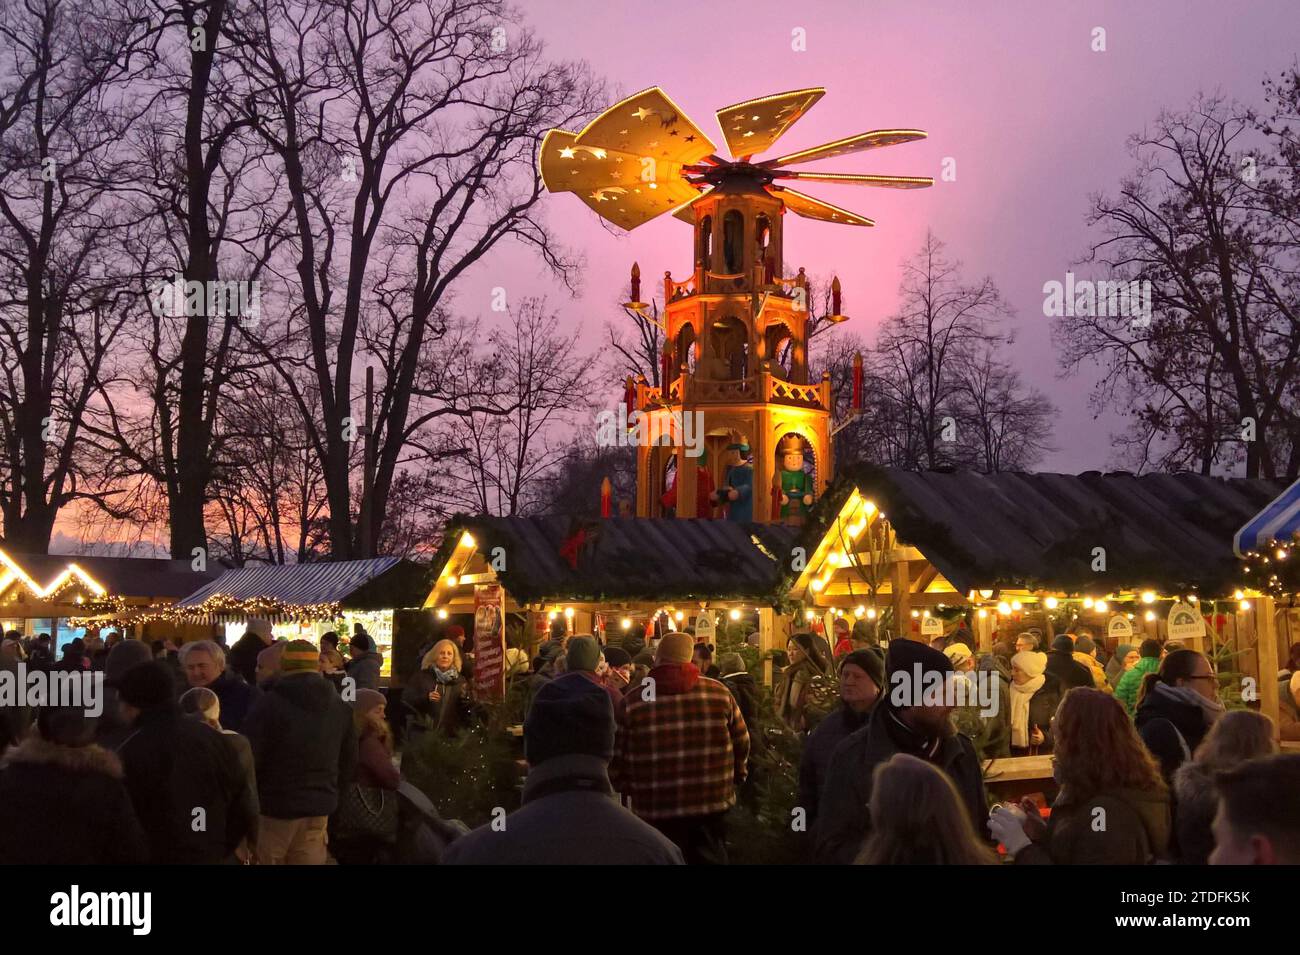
column 175, row 765
column 236, row 697
column 1136, row 831
column 1068, row 672
column 1160, row 720
column 843, row 816
column 375, row 763
column 994, row 738
column 1196, row 800
column 242, row 657
column 683, row 752
column 304, row 746
column 450, row 713
column 1099, row 681
column 66, row 805
column 1288, row 712
column 1042, row 707
column 1126, row 690
column 745, row 690
column 817, row 750
column 792, row 693
column 569, row 816
column 365, row 669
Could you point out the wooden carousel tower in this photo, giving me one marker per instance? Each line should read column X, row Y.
column 734, row 378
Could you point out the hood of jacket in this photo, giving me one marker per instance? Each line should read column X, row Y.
column 1151, row 808
column 1193, row 782
column 674, row 678
column 1187, row 717
column 35, row 751
column 307, row 691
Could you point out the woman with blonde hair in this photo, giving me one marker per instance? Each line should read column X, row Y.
column 1113, row 806
column 1236, row 737
column 438, row 692
column 917, row 818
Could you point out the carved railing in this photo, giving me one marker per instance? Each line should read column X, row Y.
column 675, row 290
column 784, row 392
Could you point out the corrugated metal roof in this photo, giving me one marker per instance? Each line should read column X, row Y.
column 1171, row 532
column 294, row 583
column 631, row 558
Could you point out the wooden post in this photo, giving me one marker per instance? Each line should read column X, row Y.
column 902, row 599
column 1266, row 659
column 984, row 631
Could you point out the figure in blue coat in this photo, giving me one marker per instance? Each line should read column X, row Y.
column 737, row 491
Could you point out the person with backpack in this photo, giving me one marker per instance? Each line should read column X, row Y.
column 1177, row 705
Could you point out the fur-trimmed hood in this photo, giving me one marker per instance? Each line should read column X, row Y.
column 92, row 758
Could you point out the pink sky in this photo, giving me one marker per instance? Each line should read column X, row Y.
column 1012, row 90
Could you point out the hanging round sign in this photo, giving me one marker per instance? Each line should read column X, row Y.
column 1120, row 627
column 1185, row 622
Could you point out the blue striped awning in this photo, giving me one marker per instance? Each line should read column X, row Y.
column 1279, row 521
column 301, row 584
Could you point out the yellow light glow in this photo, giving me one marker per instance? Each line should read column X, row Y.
column 1015, row 605
column 1281, row 553
column 679, row 616
column 1239, row 594
column 1148, row 597
column 1192, row 599
column 1087, row 603
column 1004, row 608
column 983, row 613
column 1101, row 606
column 551, row 615
column 467, row 539
column 452, row 581
column 871, row 613
column 926, row 615
column 818, row 585
column 1150, row 615
column 1051, row 603
column 442, row 613
column 1245, row 605
column 859, row 611
column 734, row 615
column 915, row 614
column 808, row 615
column 568, row 613
column 869, row 507
column 626, row 623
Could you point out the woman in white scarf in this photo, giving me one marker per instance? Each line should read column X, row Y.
column 1028, row 674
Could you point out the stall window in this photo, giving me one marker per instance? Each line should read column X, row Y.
column 733, row 237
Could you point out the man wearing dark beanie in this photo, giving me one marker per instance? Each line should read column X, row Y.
column 1062, row 666
column 570, row 815
column 184, row 779
column 908, row 719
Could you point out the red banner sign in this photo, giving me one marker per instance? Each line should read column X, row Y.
column 489, row 642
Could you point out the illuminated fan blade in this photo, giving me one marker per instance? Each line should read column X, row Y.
column 753, row 126
column 853, row 144
column 648, row 125
column 811, row 208
column 856, row 179
column 687, row 212
column 610, row 182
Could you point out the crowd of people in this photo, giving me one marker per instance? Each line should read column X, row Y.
column 286, row 752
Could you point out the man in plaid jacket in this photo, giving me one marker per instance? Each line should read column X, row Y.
column 681, row 752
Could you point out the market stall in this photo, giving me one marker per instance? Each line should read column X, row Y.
column 307, row 600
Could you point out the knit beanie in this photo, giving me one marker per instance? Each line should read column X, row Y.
column 299, row 656
column 1085, row 644
column 869, row 661
column 617, row 657
column 127, row 655
column 675, row 648
column 1031, row 662
column 904, row 655
column 583, row 655
column 147, row 686
column 731, row 663
column 1063, row 642
column 570, row 715
column 367, row 700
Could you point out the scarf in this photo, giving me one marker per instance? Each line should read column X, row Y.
column 1211, row 710
column 446, row 676
column 908, row 740
column 1021, row 694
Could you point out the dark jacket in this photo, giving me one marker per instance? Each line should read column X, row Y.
column 1195, row 802
column 817, row 751
column 745, row 690
column 236, row 697
column 1042, row 707
column 66, row 805
column 248, row 770
column 175, row 766
column 365, row 669
column 242, row 657
column 449, row 713
column 304, row 746
column 569, row 816
column 843, row 820
column 1136, row 830
column 1160, row 720
column 1068, row 671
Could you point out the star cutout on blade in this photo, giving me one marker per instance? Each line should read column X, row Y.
column 568, row 152
column 641, row 112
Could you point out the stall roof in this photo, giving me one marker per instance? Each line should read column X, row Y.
column 122, row 576
column 1170, row 532
column 629, row 558
column 319, row 583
